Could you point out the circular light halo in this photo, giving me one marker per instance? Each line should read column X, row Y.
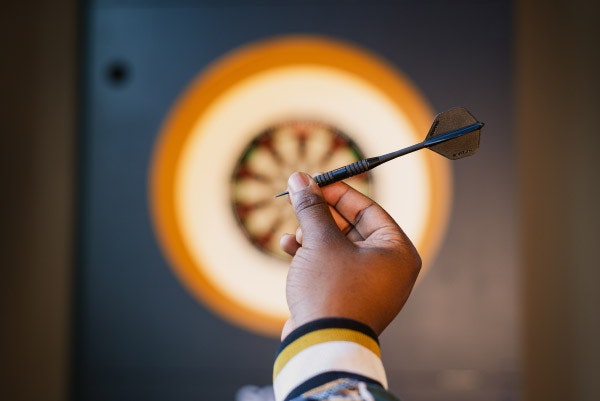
column 180, row 175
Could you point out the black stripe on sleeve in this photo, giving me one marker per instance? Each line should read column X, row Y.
column 327, row 323
column 325, row 378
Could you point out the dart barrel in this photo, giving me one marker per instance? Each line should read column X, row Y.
column 342, row 173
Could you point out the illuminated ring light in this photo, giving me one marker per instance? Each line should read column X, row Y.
column 295, row 78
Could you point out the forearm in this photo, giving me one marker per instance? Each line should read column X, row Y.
column 330, row 357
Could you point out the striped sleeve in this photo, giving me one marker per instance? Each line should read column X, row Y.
column 325, row 350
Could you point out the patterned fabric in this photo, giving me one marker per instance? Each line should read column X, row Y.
column 347, row 390
column 341, row 389
column 342, row 355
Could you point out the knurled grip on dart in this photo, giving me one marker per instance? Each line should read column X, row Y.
column 342, row 173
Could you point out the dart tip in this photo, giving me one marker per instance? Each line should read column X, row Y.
column 281, row 194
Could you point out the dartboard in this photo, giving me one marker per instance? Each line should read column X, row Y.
column 266, row 164
column 258, row 113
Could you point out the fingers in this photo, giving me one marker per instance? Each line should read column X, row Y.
column 289, row 244
column 334, row 209
column 345, row 226
column 326, row 213
column 366, row 216
column 311, row 209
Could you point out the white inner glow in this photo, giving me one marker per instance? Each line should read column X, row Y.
column 212, row 149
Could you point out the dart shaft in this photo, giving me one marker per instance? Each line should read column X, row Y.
column 364, row 165
column 453, row 134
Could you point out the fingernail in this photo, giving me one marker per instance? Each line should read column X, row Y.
column 298, row 181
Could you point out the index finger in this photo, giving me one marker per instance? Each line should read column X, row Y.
column 362, row 212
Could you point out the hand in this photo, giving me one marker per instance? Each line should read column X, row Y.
column 350, row 258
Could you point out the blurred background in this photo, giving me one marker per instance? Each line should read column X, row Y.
column 90, row 307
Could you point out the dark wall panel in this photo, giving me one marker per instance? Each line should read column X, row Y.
column 141, row 335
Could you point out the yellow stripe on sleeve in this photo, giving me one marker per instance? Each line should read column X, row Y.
column 321, row 336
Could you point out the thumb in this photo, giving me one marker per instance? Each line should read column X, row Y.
column 311, row 209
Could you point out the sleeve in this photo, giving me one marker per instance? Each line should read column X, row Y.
column 330, row 357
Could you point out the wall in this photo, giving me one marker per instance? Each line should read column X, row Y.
column 558, row 94
column 557, row 89
column 38, row 77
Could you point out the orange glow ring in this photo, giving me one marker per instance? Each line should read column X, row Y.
column 224, row 74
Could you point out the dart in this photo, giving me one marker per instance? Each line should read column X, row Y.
column 454, row 134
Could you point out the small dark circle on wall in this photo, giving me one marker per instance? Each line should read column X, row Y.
column 118, row 73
